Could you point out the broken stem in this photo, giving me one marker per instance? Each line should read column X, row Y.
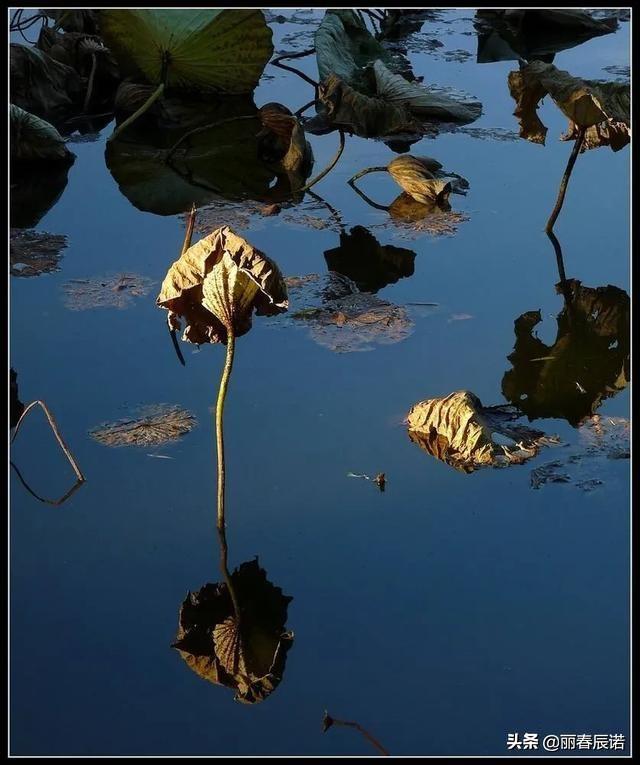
column 565, row 180
column 379, row 169
column 139, row 112
column 56, row 433
column 327, row 169
column 358, row 727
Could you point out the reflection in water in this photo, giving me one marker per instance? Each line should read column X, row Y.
column 588, row 362
column 371, row 265
column 35, row 190
column 509, row 35
column 233, row 633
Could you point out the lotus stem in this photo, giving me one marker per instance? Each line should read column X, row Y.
column 56, row 433
column 328, row 721
column 277, row 62
column 222, row 393
column 224, row 568
column 565, row 180
column 361, row 193
column 202, row 129
column 188, row 234
column 299, row 112
column 87, row 98
column 378, row 169
column 145, row 106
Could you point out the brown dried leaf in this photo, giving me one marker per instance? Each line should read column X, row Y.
column 153, row 425
column 217, row 283
column 415, row 175
column 602, row 108
column 458, row 430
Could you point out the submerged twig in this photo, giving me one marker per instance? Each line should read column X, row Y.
column 56, row 433
column 565, row 180
column 328, row 721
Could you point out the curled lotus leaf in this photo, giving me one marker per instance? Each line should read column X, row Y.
column 458, row 430
column 368, row 116
column 344, row 46
column 41, row 85
column 601, row 109
column 416, row 176
column 424, row 102
column 246, row 654
column 207, row 50
column 282, row 140
column 417, row 218
column 33, row 138
column 216, row 285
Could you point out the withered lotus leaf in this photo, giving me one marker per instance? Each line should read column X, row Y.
column 216, row 285
column 416, row 176
column 247, row 654
column 458, row 430
column 602, row 109
column 153, row 425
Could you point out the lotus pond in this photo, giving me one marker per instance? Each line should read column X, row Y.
column 426, row 521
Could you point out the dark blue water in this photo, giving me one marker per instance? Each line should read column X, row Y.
column 441, row 614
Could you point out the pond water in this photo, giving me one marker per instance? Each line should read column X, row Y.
column 441, row 614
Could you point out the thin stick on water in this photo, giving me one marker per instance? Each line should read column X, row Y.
column 366, row 171
column 277, row 62
column 327, row 169
column 56, row 433
column 565, row 180
column 328, row 721
column 54, row 502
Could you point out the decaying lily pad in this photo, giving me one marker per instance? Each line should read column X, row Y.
column 414, row 219
column 42, row 86
column 217, row 284
column 152, row 426
column 535, row 33
column 206, row 50
column 587, row 363
column 368, row 263
column 110, row 292
column 458, row 430
column 35, row 252
column 343, row 319
column 248, row 655
column 282, row 141
column 600, row 108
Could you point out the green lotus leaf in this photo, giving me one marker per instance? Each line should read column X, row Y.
column 221, row 51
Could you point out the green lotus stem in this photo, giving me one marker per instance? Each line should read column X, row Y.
column 222, row 393
column 565, row 180
column 366, row 171
column 87, row 98
column 145, row 106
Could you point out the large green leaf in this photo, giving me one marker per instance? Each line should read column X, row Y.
column 208, row 50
